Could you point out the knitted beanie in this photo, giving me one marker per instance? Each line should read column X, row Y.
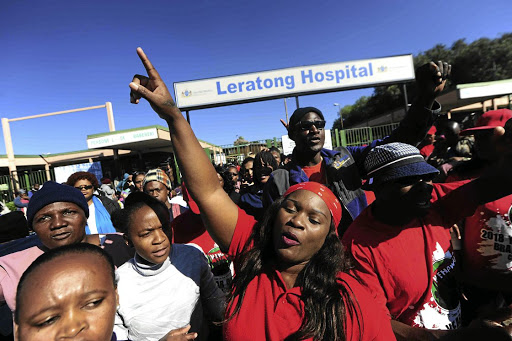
column 157, row 175
column 53, row 192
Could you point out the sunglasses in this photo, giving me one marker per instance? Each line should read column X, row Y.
column 411, row 180
column 233, row 174
column 307, row 125
column 88, row 187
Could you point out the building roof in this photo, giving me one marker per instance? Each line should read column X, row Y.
column 471, row 93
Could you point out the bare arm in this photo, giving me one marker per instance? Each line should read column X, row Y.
column 219, row 213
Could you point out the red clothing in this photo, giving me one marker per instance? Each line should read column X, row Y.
column 487, row 251
column 188, row 228
column 270, row 311
column 425, row 151
column 316, row 173
column 410, row 268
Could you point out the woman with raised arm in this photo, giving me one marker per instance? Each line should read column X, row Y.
column 290, row 268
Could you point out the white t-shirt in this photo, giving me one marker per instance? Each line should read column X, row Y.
column 91, row 221
column 155, row 299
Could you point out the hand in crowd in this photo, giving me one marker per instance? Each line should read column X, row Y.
column 283, row 122
column 152, row 88
column 179, row 334
column 431, row 78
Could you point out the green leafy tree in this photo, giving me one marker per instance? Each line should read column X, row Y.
column 480, row 61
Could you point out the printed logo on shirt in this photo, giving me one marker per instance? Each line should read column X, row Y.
column 442, row 311
column 339, row 163
column 496, row 241
column 221, row 268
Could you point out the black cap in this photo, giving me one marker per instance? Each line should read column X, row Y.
column 298, row 114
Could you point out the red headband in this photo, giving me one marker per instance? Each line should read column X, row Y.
column 325, row 194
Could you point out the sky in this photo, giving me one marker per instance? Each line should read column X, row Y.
column 60, row 55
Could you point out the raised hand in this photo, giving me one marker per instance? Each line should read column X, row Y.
column 153, row 89
column 431, row 78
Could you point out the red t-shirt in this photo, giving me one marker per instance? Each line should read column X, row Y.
column 410, row 268
column 487, row 251
column 316, row 173
column 270, row 311
column 188, row 228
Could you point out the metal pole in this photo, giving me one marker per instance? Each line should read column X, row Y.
column 188, row 118
column 297, row 101
column 55, row 113
column 110, row 116
column 11, row 161
column 405, row 98
column 286, row 110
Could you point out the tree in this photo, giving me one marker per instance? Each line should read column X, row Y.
column 481, row 61
column 240, row 140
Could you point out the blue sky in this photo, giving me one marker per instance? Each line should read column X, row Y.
column 61, row 55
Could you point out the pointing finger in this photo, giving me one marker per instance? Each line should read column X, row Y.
column 152, row 73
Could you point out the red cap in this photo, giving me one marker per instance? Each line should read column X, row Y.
column 191, row 203
column 490, row 120
column 325, row 194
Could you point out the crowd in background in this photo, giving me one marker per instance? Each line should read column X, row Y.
column 408, row 237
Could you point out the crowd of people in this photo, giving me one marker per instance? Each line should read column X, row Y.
column 407, row 238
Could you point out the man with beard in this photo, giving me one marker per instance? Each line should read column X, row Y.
column 401, row 243
column 341, row 170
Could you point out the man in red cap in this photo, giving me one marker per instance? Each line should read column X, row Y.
column 487, row 235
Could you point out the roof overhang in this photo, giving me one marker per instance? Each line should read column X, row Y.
column 468, row 94
column 139, row 139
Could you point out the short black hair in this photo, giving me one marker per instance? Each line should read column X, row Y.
column 247, row 159
column 265, row 158
column 80, row 248
column 136, row 201
column 274, row 149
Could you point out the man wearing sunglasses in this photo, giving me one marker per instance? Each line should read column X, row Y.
column 341, row 170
